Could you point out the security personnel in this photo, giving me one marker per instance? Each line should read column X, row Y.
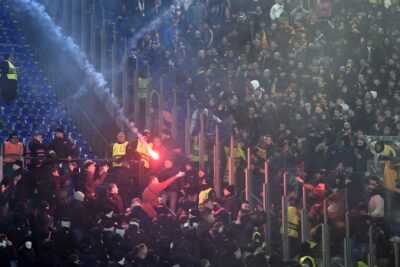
column 239, row 157
column 121, row 155
column 262, row 152
column 293, row 227
column 195, row 157
column 206, row 190
column 8, row 79
column 119, row 151
column 141, row 147
column 13, row 153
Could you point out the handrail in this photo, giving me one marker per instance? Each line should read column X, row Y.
column 92, row 125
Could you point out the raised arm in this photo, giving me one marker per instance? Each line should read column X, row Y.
column 169, row 181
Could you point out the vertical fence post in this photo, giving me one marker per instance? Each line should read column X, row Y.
column 93, row 57
column 103, row 46
column 285, row 226
column 1, row 163
column 65, row 17
column 231, row 162
column 396, row 253
column 83, row 25
column 371, row 254
column 148, row 101
column 249, row 183
column 345, row 253
column 75, row 18
column 217, row 180
column 325, row 238
column 304, row 216
column 347, row 248
column 201, row 141
column 267, row 206
column 187, row 130
column 136, row 108
column 175, row 116
column 161, row 106
column 114, row 63
column 125, row 83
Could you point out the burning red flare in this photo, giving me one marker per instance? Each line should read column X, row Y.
column 153, row 154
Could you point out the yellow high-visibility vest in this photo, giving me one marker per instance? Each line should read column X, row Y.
column 119, row 150
column 144, row 153
column 195, row 151
column 203, row 195
column 293, row 222
column 12, row 71
column 303, row 259
column 239, row 155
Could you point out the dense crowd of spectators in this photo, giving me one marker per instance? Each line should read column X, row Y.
column 300, row 82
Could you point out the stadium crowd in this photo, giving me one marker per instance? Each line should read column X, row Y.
column 301, row 83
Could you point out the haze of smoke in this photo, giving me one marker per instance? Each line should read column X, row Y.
column 38, row 12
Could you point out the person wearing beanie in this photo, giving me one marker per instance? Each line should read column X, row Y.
column 62, row 145
column 191, row 182
column 79, row 196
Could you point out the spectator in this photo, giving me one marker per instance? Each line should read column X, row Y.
column 152, row 191
column 88, row 180
column 277, row 10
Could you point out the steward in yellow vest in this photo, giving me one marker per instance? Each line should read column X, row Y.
column 195, row 151
column 142, row 149
column 206, row 191
column 240, row 159
column 8, row 79
column 293, row 222
column 119, row 152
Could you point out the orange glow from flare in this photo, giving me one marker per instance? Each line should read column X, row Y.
column 153, row 154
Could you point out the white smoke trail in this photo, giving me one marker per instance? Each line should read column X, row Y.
column 38, row 12
column 94, row 77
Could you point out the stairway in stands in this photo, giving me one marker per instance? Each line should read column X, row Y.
column 36, row 108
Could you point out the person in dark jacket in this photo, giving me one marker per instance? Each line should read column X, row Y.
column 88, row 180
column 37, row 151
column 65, row 240
column 170, row 194
column 8, row 253
column 50, row 188
column 113, row 193
column 191, row 182
column 26, row 255
column 63, row 146
column 231, row 201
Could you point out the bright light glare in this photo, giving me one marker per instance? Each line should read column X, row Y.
column 153, row 154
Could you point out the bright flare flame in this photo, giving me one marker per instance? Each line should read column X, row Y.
column 153, row 154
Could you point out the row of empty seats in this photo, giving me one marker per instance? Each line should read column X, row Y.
column 36, row 108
